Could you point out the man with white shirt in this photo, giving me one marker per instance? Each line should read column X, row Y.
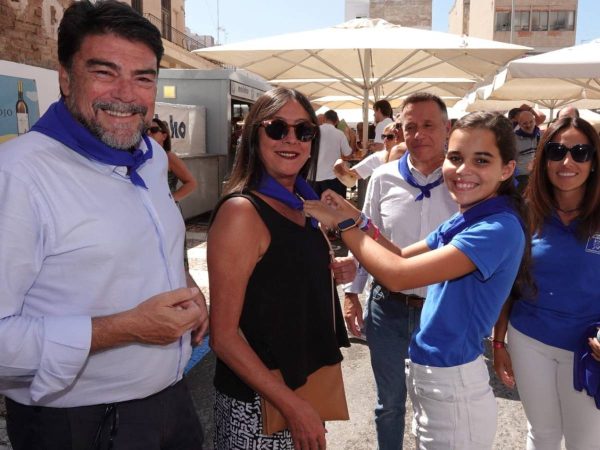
column 383, row 117
column 333, row 144
column 96, row 311
column 407, row 200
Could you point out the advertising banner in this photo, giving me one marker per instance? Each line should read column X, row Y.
column 19, row 108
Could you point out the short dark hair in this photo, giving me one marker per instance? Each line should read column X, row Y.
column 332, row 116
column 248, row 167
column 84, row 18
column 419, row 97
column 383, row 106
column 513, row 113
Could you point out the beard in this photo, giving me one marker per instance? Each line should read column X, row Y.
column 122, row 137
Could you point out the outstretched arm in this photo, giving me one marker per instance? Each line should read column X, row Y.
column 396, row 269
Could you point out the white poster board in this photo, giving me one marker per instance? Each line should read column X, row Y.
column 187, row 125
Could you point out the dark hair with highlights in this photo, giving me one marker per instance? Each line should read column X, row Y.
column 504, row 136
column 248, row 167
column 84, row 18
column 540, row 193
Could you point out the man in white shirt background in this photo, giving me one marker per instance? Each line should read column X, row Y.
column 333, row 145
column 383, row 117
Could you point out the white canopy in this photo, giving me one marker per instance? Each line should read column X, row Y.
column 553, row 79
column 364, row 55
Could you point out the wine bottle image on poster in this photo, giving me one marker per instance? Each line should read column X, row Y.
column 19, row 107
column 22, row 111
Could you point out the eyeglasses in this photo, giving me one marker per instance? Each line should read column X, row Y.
column 580, row 152
column 154, row 130
column 277, row 129
column 388, row 136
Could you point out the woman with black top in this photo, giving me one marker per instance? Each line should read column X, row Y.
column 270, row 281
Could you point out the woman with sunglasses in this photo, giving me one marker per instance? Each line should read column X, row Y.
column 178, row 171
column 546, row 326
column 394, row 148
column 270, row 281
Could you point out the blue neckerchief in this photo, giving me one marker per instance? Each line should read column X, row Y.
column 271, row 188
column 536, row 133
column 59, row 124
column 405, row 172
column 586, row 370
column 459, row 222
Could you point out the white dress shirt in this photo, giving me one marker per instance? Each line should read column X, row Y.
column 79, row 240
column 332, row 145
column 390, row 203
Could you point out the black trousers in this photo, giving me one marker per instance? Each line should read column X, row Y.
column 166, row 420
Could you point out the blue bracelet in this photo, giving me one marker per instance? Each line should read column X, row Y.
column 365, row 222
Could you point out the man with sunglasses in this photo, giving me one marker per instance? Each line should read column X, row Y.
column 333, row 144
column 96, row 310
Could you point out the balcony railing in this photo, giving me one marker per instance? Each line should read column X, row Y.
column 173, row 35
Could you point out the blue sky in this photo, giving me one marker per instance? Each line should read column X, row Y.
column 241, row 20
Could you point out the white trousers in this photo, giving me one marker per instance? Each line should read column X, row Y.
column 544, row 376
column 454, row 407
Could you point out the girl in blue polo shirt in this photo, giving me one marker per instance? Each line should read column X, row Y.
column 548, row 326
column 470, row 264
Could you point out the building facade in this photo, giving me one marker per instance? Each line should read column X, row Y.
column 408, row 13
column 30, row 31
column 544, row 25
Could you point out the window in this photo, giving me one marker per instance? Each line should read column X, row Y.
column 137, row 5
column 539, row 20
column 521, row 21
column 561, row 20
column 502, row 21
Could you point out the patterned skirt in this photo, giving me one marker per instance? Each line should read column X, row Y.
column 238, row 426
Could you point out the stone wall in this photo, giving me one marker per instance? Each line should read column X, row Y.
column 408, row 13
column 29, row 31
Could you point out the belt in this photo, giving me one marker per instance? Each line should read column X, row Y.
column 412, row 300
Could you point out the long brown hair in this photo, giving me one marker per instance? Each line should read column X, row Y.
column 248, row 167
column 540, row 192
column 504, row 137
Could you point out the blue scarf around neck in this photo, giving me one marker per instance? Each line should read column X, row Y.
column 302, row 191
column 405, row 172
column 58, row 123
column 476, row 213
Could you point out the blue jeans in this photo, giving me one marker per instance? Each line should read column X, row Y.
column 389, row 325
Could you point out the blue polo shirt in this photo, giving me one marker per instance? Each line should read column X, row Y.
column 458, row 314
column 567, row 272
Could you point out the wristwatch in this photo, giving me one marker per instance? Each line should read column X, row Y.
column 347, row 224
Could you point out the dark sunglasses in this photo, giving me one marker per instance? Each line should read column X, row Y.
column 580, row 152
column 277, row 129
column 154, row 130
column 388, row 136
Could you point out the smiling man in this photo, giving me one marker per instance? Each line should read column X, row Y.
column 96, row 312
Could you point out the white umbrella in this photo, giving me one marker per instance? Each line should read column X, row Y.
column 554, row 79
column 366, row 54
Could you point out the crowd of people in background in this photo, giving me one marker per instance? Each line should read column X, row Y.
column 487, row 228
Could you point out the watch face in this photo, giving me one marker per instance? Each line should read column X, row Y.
column 346, row 224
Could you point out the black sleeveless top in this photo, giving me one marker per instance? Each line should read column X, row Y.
column 288, row 313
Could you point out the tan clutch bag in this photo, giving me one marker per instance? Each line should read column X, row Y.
column 324, row 390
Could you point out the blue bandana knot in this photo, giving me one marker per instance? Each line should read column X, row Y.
column 58, row 123
column 410, row 179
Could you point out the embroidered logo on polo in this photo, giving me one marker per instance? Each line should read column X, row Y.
column 593, row 244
